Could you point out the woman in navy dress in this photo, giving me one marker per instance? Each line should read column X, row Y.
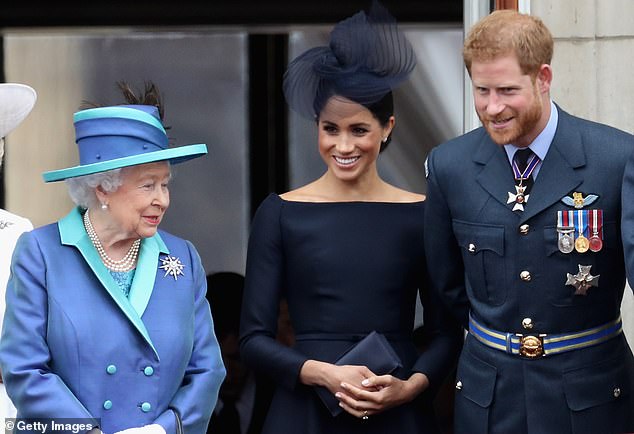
column 346, row 251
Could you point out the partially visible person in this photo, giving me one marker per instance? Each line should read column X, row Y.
column 346, row 251
column 16, row 102
column 245, row 395
column 106, row 314
column 523, row 230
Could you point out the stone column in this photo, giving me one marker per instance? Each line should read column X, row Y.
column 594, row 54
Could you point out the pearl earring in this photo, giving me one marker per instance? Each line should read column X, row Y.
column 104, row 206
column 384, row 139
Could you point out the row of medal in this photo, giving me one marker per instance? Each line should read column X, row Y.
column 580, row 230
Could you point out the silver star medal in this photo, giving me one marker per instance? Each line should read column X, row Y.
column 172, row 266
column 519, row 198
column 583, row 280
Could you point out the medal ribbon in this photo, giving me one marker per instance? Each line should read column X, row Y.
column 530, row 167
column 596, row 222
column 582, row 220
column 563, row 220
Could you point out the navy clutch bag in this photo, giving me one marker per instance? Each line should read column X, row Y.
column 373, row 351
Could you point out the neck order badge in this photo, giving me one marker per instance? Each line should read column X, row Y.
column 524, row 163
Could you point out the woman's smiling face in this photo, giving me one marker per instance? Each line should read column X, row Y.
column 350, row 138
column 137, row 207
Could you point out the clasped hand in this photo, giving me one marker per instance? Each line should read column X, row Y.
column 375, row 394
column 360, row 392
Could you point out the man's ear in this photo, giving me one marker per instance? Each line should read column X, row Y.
column 544, row 78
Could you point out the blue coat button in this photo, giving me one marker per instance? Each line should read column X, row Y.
column 111, row 369
column 148, row 371
column 107, row 404
column 145, row 407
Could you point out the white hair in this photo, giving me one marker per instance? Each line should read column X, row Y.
column 82, row 188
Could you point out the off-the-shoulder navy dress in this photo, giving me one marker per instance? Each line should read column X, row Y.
column 346, row 269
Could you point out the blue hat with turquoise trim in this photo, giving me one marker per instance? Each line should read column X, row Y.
column 121, row 136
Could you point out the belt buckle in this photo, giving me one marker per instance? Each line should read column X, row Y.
column 531, row 346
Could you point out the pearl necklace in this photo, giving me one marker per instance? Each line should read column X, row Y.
column 127, row 263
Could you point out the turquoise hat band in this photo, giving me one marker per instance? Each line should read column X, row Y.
column 173, row 155
column 121, row 112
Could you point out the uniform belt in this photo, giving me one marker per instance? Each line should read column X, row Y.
column 537, row 345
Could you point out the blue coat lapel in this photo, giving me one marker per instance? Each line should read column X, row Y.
column 72, row 232
column 557, row 176
column 146, row 269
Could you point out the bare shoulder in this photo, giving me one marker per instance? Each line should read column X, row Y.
column 306, row 193
column 400, row 195
column 293, row 196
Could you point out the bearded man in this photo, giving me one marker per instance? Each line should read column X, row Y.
column 523, row 241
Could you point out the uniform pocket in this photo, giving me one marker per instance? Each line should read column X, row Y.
column 475, row 393
column 557, row 266
column 600, row 396
column 483, row 256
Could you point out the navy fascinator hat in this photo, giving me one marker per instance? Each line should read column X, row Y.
column 366, row 59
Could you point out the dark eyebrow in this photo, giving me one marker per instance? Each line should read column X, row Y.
column 357, row 125
column 329, row 122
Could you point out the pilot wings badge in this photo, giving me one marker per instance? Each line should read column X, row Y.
column 578, row 201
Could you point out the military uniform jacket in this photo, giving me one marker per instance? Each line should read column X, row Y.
column 505, row 266
column 73, row 346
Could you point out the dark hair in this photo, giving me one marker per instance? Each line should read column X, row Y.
column 382, row 110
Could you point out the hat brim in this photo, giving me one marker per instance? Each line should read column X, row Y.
column 17, row 101
column 173, row 155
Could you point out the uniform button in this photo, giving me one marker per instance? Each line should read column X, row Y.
column 459, row 385
column 525, row 276
column 148, row 371
column 617, row 392
column 524, row 229
column 527, row 323
column 145, row 407
column 472, row 248
column 107, row 404
column 111, row 369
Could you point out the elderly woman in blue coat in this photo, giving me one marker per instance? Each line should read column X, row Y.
column 106, row 315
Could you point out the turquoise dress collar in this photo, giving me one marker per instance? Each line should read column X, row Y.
column 73, row 233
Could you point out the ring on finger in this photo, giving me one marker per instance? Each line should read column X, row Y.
column 365, row 415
